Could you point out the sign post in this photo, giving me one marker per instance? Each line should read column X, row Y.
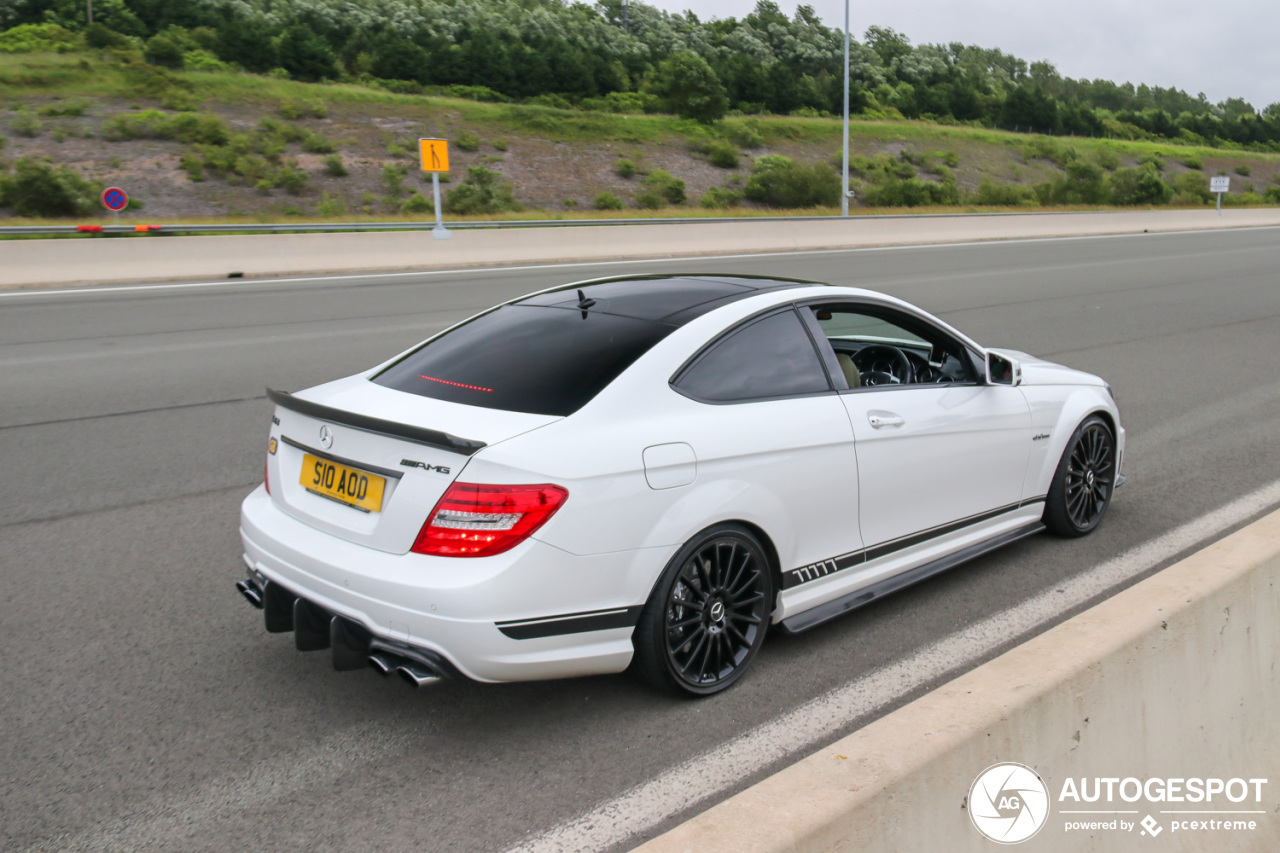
column 435, row 159
column 115, row 200
column 1220, row 185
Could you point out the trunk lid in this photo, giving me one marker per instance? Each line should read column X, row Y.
column 368, row 463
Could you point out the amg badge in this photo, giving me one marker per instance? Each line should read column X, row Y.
column 410, row 463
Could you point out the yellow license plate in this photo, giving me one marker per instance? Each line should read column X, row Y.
column 350, row 486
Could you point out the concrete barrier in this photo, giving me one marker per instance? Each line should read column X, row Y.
column 102, row 260
column 1177, row 677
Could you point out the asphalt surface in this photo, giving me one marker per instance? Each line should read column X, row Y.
column 144, row 708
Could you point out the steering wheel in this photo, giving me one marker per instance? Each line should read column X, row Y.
column 881, row 364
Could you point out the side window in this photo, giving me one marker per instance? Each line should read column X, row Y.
column 771, row 357
column 876, row 346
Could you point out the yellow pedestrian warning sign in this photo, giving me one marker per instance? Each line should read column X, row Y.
column 435, row 154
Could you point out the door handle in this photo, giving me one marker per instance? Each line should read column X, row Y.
column 879, row 420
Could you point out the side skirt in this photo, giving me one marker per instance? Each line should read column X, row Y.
column 826, row 612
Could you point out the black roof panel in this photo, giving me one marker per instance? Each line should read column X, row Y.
column 672, row 299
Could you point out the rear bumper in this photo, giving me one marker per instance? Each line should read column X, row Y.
column 535, row 612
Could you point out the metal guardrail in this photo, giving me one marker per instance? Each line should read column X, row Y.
column 305, row 227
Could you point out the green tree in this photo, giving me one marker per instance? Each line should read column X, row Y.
column 1140, row 186
column 690, row 88
column 305, row 55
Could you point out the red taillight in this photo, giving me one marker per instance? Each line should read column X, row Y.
column 479, row 520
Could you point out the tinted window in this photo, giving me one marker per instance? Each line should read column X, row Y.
column 772, row 357
column 546, row 361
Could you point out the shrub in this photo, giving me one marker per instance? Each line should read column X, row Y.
column 467, row 141
column 1272, row 195
column 26, row 124
column 607, row 201
column 1108, row 158
column 417, row 203
column 722, row 154
column 499, row 145
column 163, row 51
column 780, row 182
column 1139, row 186
column 633, row 103
column 153, row 124
column 1193, row 161
column 1243, row 170
column 100, row 37
column 314, row 143
column 32, row 38
column 1048, row 148
column 483, row 191
column 625, row 168
column 331, row 206
column 912, row 192
column 70, row 107
column 1005, row 195
column 690, row 88
column 293, row 110
column 393, row 175
column 721, row 198
column 746, row 133
column 38, row 189
column 663, row 188
column 292, row 179
column 950, row 158
column 1191, row 188
column 334, row 166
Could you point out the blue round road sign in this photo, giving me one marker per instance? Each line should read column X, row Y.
column 114, row 198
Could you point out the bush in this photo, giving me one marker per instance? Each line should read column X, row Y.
column 393, row 175
column 1139, row 186
column 1191, row 188
column 292, row 179
column 1005, row 195
column 25, row 123
column 625, row 168
column 633, row 103
column 483, row 191
column 607, row 201
column 1155, row 161
column 417, row 203
column 1193, row 161
column 1084, row 183
column 153, row 124
column 33, row 38
column 163, row 51
column 661, row 190
column 72, row 107
column 1108, row 158
column 1048, row 148
column 950, row 158
column 499, row 145
column 912, row 192
column 746, row 133
column 335, row 167
column 100, row 37
column 1272, row 195
column 467, row 141
column 690, row 88
column 722, row 154
column 721, row 198
column 331, row 206
column 294, row 110
column 780, row 182
column 1243, row 170
column 314, row 143
column 38, row 189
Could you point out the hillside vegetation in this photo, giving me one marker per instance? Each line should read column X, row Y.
column 160, row 102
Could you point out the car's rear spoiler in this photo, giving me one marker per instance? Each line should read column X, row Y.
column 418, row 435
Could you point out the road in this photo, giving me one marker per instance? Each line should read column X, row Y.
column 145, row 708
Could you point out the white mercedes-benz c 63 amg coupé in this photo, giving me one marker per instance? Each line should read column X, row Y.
column 653, row 472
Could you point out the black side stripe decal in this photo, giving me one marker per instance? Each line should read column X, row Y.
column 571, row 623
column 814, row 571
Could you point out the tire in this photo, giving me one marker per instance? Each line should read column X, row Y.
column 1084, row 482
column 684, row 642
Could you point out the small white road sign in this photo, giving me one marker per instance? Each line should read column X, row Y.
column 1220, row 184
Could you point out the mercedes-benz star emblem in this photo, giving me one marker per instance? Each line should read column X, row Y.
column 717, row 611
column 326, row 437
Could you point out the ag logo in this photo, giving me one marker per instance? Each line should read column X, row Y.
column 1008, row 803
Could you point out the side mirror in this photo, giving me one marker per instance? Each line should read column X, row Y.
column 1003, row 371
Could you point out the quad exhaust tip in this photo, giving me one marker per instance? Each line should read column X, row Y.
column 250, row 591
column 412, row 673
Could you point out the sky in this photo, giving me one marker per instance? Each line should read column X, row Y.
column 1226, row 49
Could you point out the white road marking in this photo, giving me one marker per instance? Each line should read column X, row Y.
column 249, row 282
column 792, row 735
column 168, row 825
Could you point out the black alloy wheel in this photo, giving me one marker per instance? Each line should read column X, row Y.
column 1084, row 482
column 708, row 614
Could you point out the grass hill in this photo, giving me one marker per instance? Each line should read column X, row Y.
column 222, row 145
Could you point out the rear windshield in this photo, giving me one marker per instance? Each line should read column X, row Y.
column 523, row 358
